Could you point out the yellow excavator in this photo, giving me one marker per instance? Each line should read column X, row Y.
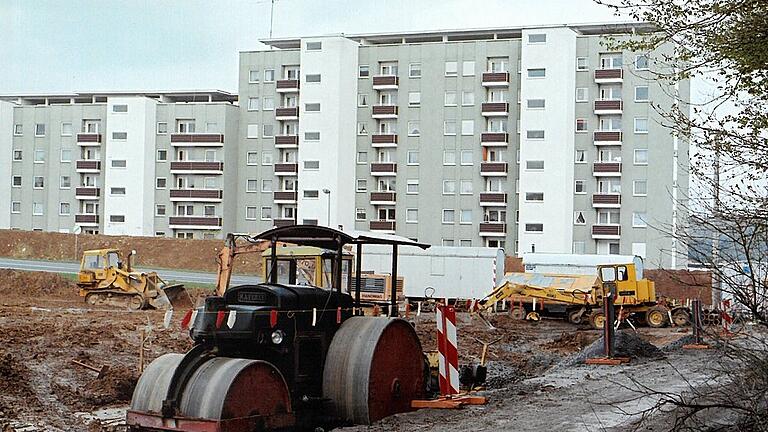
column 106, row 278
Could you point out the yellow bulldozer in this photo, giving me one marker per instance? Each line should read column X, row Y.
column 106, row 278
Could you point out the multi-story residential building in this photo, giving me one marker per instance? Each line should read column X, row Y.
column 534, row 139
column 147, row 163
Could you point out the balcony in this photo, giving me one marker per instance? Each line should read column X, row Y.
column 287, row 86
column 494, row 139
column 607, row 76
column 493, row 229
column 384, row 140
column 200, row 195
column 606, row 200
column 608, row 106
column 607, row 138
column 385, row 82
column 383, row 169
column 197, row 167
column 383, row 198
column 606, row 231
column 88, row 139
column 285, row 197
column 197, row 140
column 84, row 219
column 286, row 169
column 287, row 113
column 286, row 141
column 494, row 109
column 383, row 225
column 493, row 199
column 279, row 223
column 88, row 166
column 194, row 222
column 606, row 169
column 384, row 112
column 491, row 169
column 87, row 193
column 496, row 79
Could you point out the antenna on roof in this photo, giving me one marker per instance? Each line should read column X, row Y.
column 271, row 20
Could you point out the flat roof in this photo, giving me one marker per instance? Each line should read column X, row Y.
column 180, row 95
column 458, row 35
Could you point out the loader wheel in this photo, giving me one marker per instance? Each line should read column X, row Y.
column 681, row 318
column 657, row 317
column 597, row 320
column 136, row 302
column 517, row 313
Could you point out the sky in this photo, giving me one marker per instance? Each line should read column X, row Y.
column 101, row 45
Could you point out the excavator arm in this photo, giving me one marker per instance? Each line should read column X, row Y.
column 509, row 289
column 226, row 260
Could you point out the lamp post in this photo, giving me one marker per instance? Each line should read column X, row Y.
column 327, row 193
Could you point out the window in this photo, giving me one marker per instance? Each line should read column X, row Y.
column 449, row 187
column 608, row 217
column 269, row 75
column 117, row 191
column 412, row 157
column 534, row 134
column 185, row 126
column 449, row 157
column 534, row 227
column 465, row 217
column 582, row 94
column 451, row 68
column 251, row 213
column 39, row 129
column 360, row 214
column 641, row 156
column 466, row 187
column 16, row 207
column 253, row 104
column 581, row 156
column 66, row 129
column 582, row 64
column 252, row 131
column 251, row 158
column 579, row 247
column 314, row 46
column 362, row 157
column 414, row 99
column 312, row 107
column 37, row 209
column 641, row 62
column 122, row 136
column 450, row 98
column 312, row 194
column 388, row 68
column 449, row 216
column 412, row 186
column 537, row 38
column 362, row 100
column 641, row 125
column 534, row 196
column 611, row 61
column 578, row 218
column 363, row 71
column 17, row 155
column 268, row 130
column 362, row 128
column 534, row 165
column 467, row 127
column 312, row 165
column 580, row 187
column 537, row 73
column 266, row 158
column 640, row 187
column 581, row 125
column 641, row 94
column 251, row 185
column 64, row 209
column 118, row 163
column 447, row 242
column 413, row 128
column 119, row 108
column 468, row 68
column 411, row 215
column 639, row 220
column 467, row 157
column 65, row 182
column 362, row 185
column 536, row 103
column 468, row 98
column 414, row 70
column 498, row 64
column 268, row 104
column 387, row 214
column 39, row 182
column 253, row 76
column 311, row 136
column 160, row 210
column 449, row 127
column 16, row 181
column 18, row 129
column 66, row 155
column 266, row 185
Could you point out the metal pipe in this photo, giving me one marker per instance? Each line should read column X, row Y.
column 273, row 264
column 358, row 278
column 339, row 259
column 393, row 312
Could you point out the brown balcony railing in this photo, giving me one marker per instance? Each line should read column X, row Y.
column 602, row 74
column 385, row 81
column 382, row 225
column 496, row 78
column 606, row 230
column 196, row 193
column 602, row 136
column 383, row 196
column 197, row 138
column 87, row 191
column 493, row 197
column 88, row 165
column 287, row 112
column 606, row 199
column 286, row 140
column 86, row 218
column 279, row 223
column 285, row 195
column 491, row 227
column 608, row 105
column 495, row 107
column 286, row 167
column 383, row 167
column 384, row 110
column 606, row 167
column 89, row 137
column 287, row 84
column 494, row 137
column 493, row 168
column 196, row 166
column 201, row 221
column 384, row 139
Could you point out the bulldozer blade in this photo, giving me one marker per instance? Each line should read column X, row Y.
column 177, row 296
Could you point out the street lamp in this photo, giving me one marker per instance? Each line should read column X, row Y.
column 327, row 192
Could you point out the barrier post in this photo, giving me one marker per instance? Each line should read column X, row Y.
column 447, row 347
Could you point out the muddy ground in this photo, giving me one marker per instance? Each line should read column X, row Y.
column 532, row 382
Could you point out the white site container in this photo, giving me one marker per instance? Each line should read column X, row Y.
column 573, row 264
column 452, row 272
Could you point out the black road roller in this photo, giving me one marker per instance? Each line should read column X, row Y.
column 281, row 355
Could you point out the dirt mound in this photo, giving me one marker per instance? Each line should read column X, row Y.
column 35, row 284
column 569, row 342
column 115, row 387
column 678, row 344
column 626, row 344
column 14, row 384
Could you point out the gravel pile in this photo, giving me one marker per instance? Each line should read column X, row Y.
column 626, row 344
column 678, row 344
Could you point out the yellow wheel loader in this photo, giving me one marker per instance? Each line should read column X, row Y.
column 105, row 278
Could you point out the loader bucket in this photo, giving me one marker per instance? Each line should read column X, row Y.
column 176, row 295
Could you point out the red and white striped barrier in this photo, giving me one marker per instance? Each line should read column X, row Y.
column 447, row 346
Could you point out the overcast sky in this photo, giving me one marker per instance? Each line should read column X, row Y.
column 95, row 45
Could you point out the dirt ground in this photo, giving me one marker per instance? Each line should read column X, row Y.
column 44, row 326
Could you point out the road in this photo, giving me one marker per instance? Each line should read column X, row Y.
column 169, row 275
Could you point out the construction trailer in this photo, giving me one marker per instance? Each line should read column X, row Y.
column 577, row 264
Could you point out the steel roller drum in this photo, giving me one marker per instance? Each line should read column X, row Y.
column 374, row 368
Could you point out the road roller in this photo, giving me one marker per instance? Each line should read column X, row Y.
column 281, row 355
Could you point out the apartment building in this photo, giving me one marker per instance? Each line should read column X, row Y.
column 533, row 139
column 147, row 163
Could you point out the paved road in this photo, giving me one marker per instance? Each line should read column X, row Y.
column 170, row 275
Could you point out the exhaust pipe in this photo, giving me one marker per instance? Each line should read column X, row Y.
column 129, row 267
